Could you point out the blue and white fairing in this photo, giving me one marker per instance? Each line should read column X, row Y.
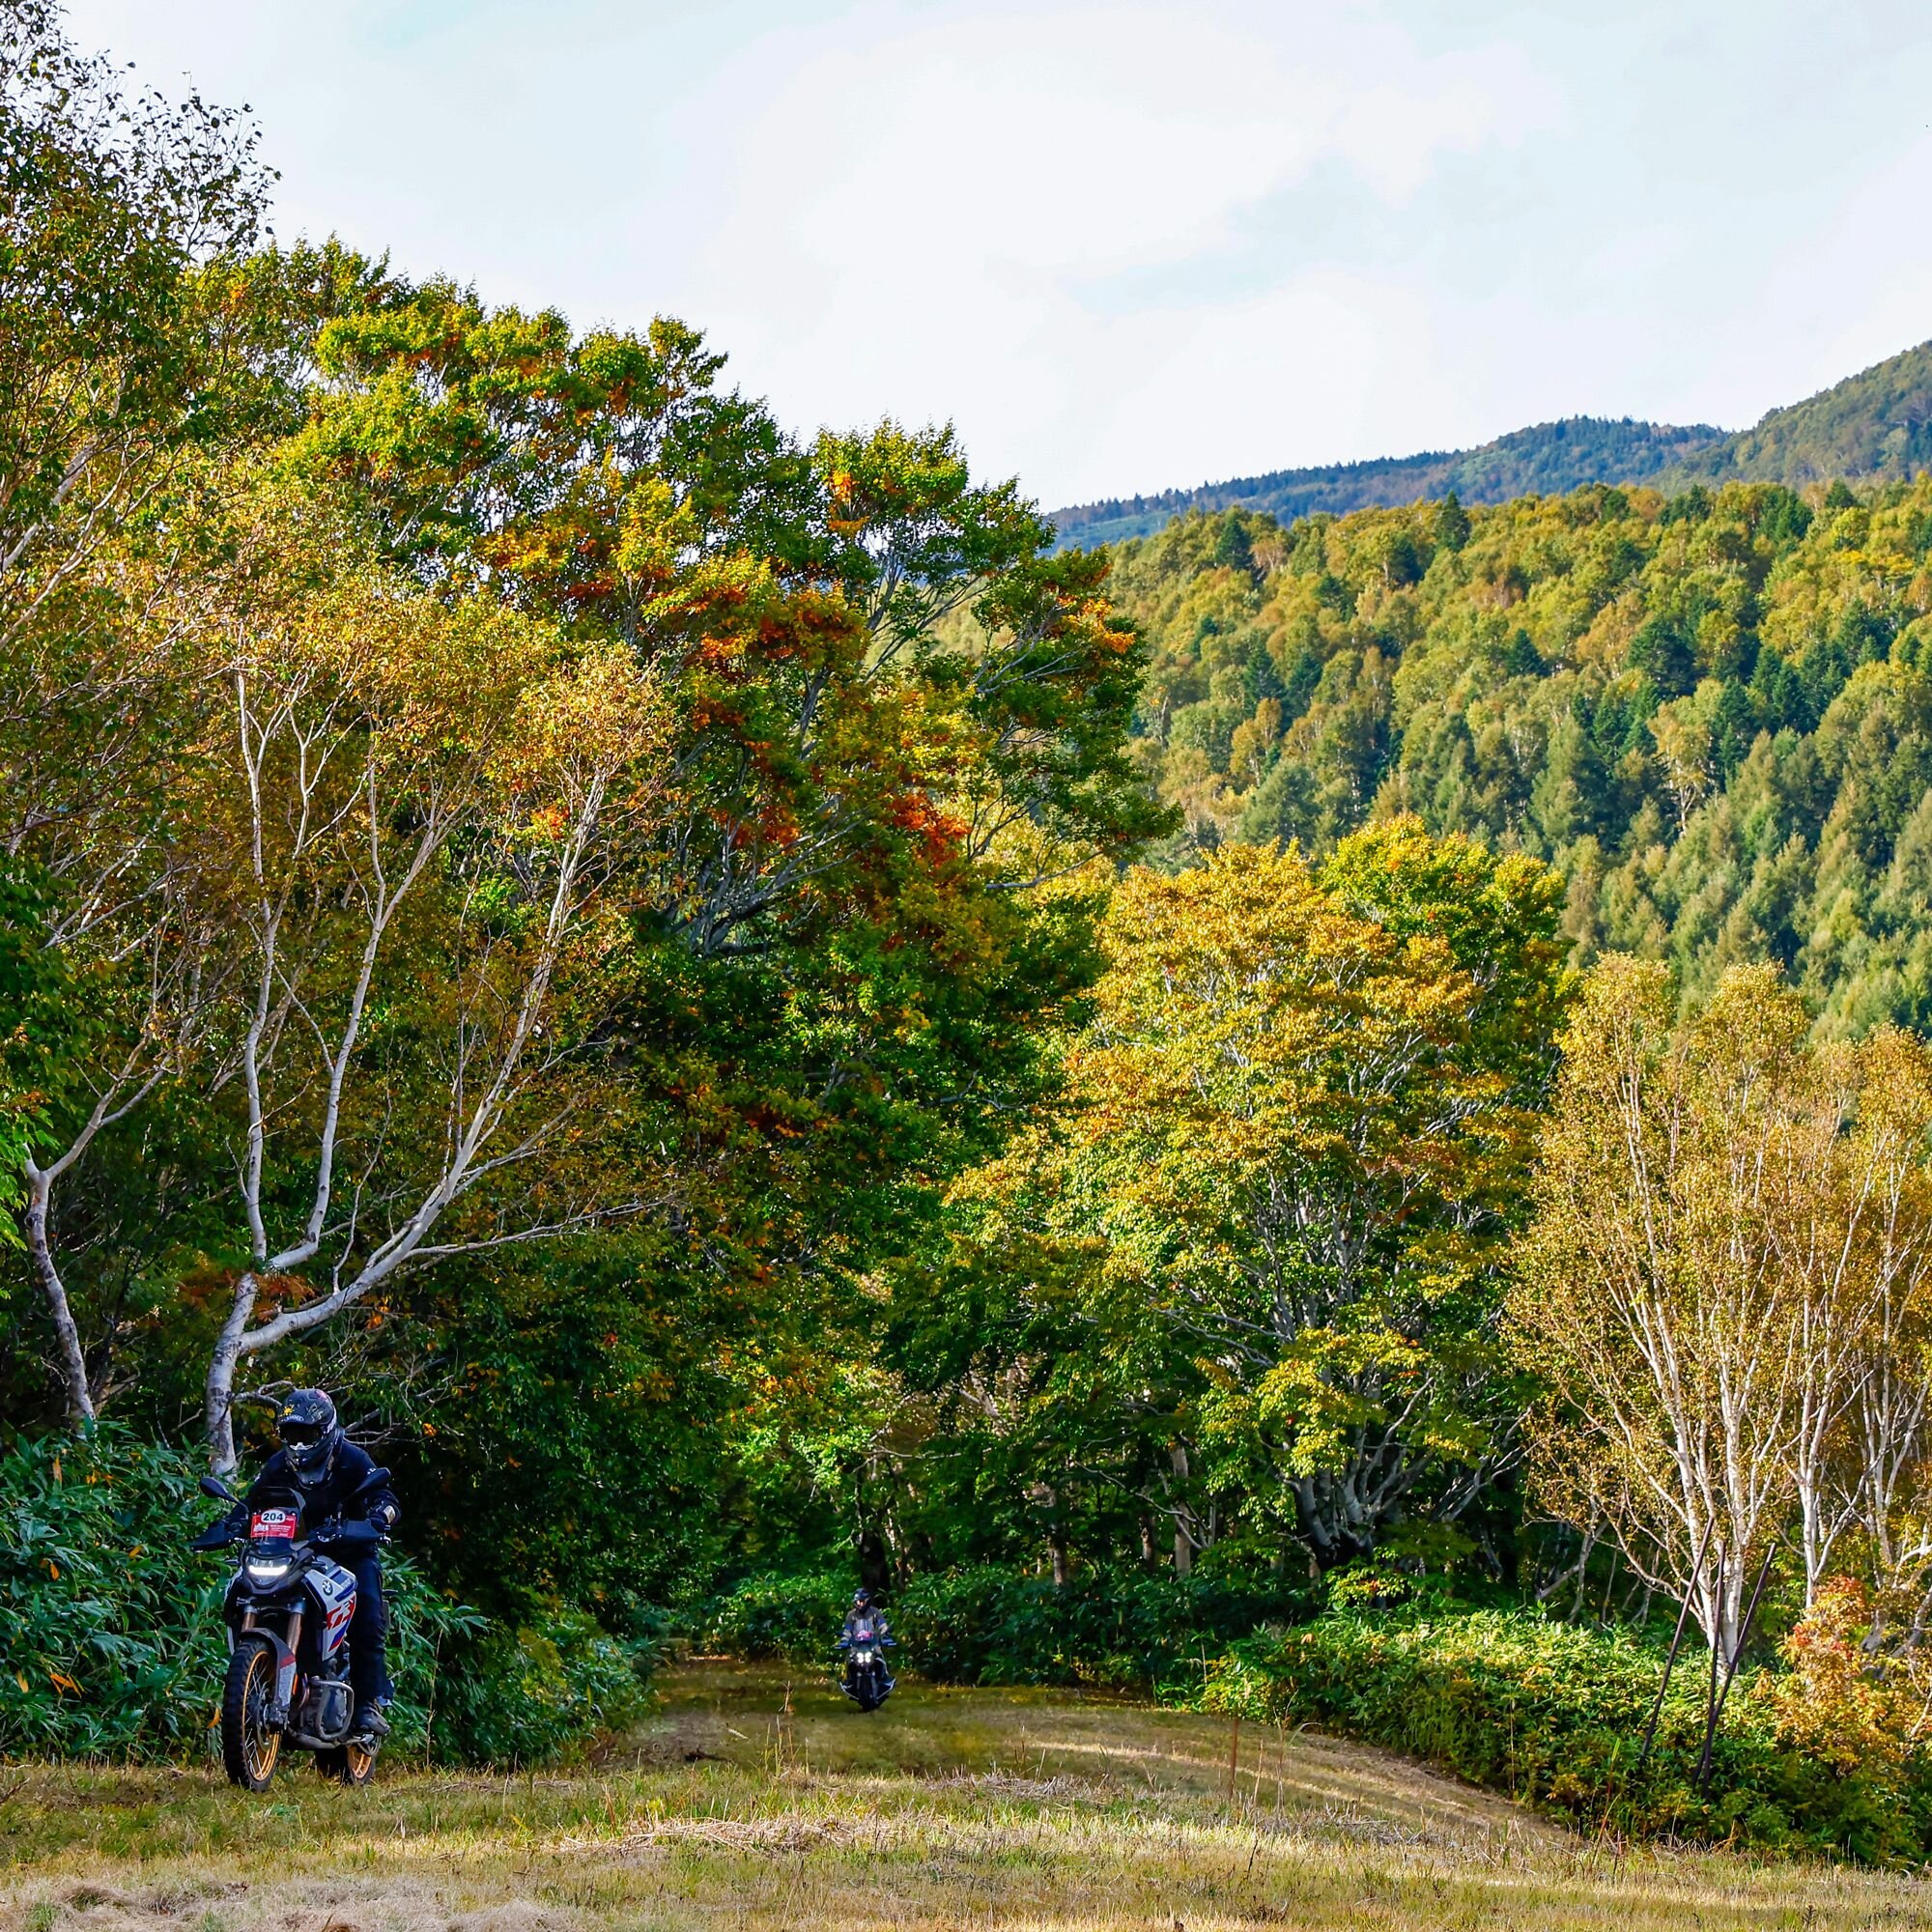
column 333, row 1589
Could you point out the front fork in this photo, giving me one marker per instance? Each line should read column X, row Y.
column 285, row 1663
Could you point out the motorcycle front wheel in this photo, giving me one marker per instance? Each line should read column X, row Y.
column 249, row 1746
column 349, row 1764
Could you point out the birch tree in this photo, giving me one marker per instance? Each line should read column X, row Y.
column 1885, row 1459
column 128, row 994
column 403, row 840
column 433, row 802
column 1721, row 1287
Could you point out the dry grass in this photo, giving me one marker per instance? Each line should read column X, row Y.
column 946, row 1809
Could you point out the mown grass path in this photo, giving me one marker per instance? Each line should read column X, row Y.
column 757, row 1799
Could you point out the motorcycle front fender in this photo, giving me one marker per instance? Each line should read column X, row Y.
column 285, row 1679
column 285, row 1665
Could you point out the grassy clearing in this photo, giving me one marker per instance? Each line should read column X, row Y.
column 950, row 1809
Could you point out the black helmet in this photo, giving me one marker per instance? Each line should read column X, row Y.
column 308, row 1429
column 863, row 1601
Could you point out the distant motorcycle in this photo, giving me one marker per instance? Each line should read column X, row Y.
column 866, row 1680
column 287, row 1612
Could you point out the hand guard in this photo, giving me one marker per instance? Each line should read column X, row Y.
column 355, row 1536
column 216, row 1536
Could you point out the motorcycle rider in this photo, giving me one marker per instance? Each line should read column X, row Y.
column 861, row 1611
column 320, row 1461
column 865, row 1624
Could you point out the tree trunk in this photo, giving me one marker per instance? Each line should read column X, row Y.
column 876, row 1570
column 1048, row 1498
column 1183, row 1541
column 1583, row 1573
column 67, row 1332
column 1719, row 1600
column 218, row 1399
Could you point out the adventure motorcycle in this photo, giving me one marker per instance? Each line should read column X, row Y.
column 865, row 1678
column 286, row 1613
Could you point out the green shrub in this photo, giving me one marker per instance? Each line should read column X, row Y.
column 110, row 1629
column 110, row 1626
column 1555, row 1716
column 797, row 1618
column 531, row 1695
column 1119, row 1628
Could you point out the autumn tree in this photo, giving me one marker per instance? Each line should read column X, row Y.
column 113, row 365
column 1272, row 1216
column 1722, row 1284
column 410, row 833
column 1863, row 1461
column 796, row 599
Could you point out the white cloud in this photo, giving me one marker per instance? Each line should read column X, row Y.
column 1135, row 244
column 935, row 216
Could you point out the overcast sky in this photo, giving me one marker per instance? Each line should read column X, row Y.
column 1130, row 246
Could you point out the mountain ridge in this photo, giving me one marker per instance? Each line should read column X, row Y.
column 1877, row 423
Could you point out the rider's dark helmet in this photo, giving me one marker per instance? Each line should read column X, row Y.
column 863, row 1601
column 309, row 1432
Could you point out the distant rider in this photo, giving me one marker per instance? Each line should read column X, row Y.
column 318, row 1460
column 863, row 1616
column 863, row 1613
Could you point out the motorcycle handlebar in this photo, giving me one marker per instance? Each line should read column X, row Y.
column 347, row 1534
column 351, row 1535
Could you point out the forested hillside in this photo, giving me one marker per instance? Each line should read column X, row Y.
column 1874, row 425
column 1877, row 424
column 1547, row 459
column 1711, row 712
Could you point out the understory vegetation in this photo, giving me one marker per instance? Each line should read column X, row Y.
column 113, row 1645
column 1332, row 1118
column 1558, row 1716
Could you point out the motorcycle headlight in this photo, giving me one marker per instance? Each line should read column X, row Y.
column 268, row 1570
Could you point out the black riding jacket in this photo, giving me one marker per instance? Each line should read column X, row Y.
column 332, row 1494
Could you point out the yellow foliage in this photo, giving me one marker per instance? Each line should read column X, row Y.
column 1838, row 1703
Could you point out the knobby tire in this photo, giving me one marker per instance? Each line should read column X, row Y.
column 347, row 1764
column 249, row 1749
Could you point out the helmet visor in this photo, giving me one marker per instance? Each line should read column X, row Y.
column 299, row 1432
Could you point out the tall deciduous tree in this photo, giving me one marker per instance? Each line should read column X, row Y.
column 410, row 833
column 1275, row 1208
column 797, row 599
column 1725, row 1284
